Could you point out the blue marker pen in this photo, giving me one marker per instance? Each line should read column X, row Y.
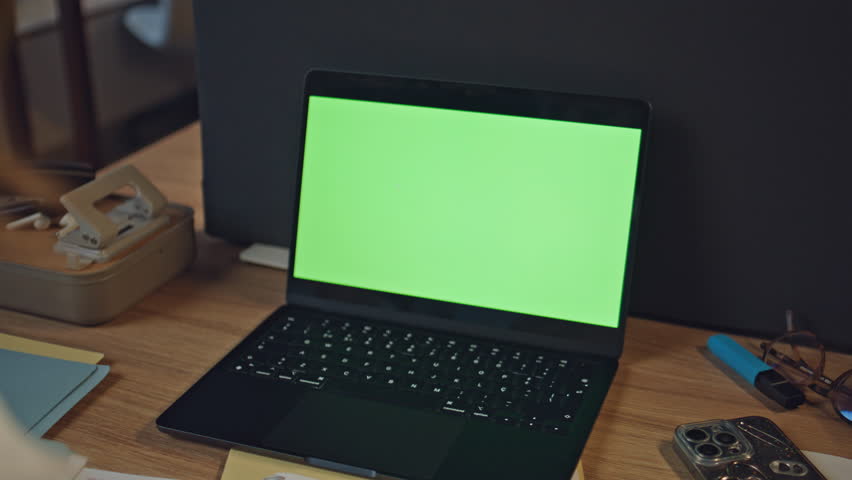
column 762, row 376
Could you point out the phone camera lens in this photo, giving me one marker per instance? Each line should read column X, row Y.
column 697, row 435
column 708, row 450
column 725, row 438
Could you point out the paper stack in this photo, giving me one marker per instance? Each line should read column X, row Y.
column 41, row 382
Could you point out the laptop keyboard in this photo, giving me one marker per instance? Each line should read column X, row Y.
column 458, row 376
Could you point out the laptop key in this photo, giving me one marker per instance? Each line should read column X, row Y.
column 533, row 383
column 454, row 406
column 456, row 357
column 315, row 381
column 265, row 372
column 345, row 361
column 481, row 362
column 412, row 361
column 257, row 358
column 272, row 348
column 413, row 386
column 460, row 395
column 437, row 389
column 507, row 418
column 521, row 367
column 432, row 353
column 352, row 350
column 386, row 381
column 528, row 393
column 505, row 404
column 314, row 331
column 532, row 422
column 556, row 428
column 504, row 390
column 483, row 386
column 457, row 382
column 481, row 410
column 301, row 352
column 302, row 365
column 388, row 356
column 280, row 361
column 409, row 349
column 367, row 365
column 551, row 399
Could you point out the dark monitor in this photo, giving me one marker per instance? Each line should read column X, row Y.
column 746, row 211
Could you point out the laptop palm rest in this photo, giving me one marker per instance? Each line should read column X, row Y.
column 357, row 432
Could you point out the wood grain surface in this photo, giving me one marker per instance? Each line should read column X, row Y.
column 159, row 347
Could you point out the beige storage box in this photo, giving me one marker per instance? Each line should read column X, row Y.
column 34, row 279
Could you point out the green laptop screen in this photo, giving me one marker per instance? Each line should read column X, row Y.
column 512, row 213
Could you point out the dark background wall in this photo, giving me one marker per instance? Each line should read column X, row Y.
column 747, row 206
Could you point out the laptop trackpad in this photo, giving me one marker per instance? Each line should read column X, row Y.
column 378, row 436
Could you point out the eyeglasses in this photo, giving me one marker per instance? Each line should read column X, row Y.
column 800, row 358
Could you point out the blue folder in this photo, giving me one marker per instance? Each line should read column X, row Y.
column 40, row 390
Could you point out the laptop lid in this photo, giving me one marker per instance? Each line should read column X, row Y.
column 496, row 212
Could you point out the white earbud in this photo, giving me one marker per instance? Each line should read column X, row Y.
column 38, row 220
column 41, row 223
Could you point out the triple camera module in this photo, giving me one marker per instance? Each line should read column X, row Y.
column 716, row 442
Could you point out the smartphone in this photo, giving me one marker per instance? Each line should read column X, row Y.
column 747, row 448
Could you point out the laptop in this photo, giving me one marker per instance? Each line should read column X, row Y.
column 458, row 285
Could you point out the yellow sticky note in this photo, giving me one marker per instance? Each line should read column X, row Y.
column 33, row 347
column 248, row 466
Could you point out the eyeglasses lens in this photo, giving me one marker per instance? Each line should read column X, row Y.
column 842, row 397
column 797, row 356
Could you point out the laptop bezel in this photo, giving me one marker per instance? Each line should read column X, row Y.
column 559, row 335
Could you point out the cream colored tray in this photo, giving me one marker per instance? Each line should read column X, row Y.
column 34, row 279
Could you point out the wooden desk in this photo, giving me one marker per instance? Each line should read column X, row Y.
column 162, row 345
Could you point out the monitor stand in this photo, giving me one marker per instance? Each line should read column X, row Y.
column 267, row 255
